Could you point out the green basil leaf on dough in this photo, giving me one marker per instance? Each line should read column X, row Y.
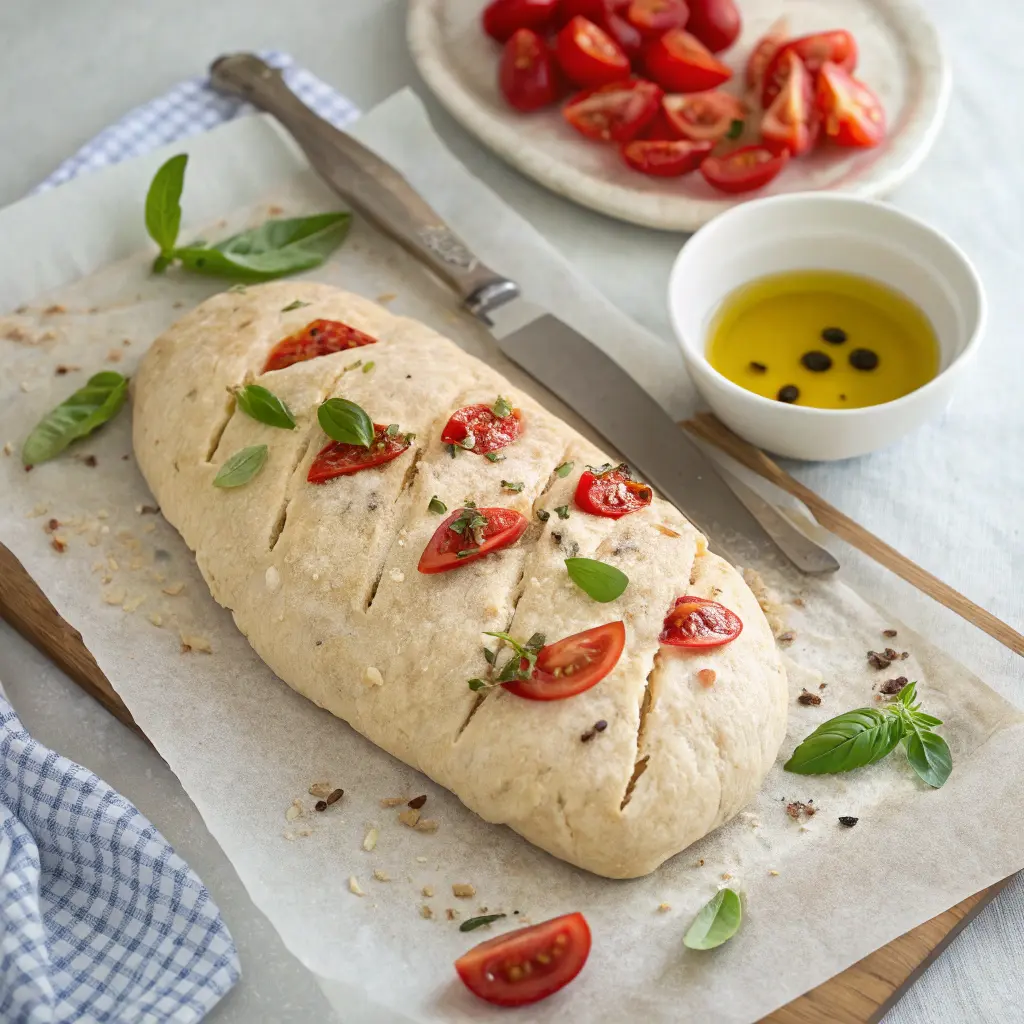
column 479, row 922
column 477, row 684
column 342, row 420
column 848, row 741
column 163, row 207
column 599, row 580
column 242, row 466
column 929, row 756
column 513, row 486
column 501, row 408
column 543, row 515
column 718, row 921
column 924, row 720
column 564, row 469
column 297, row 304
column 369, row 366
column 563, row 511
column 437, row 506
column 494, row 457
column 80, row 414
column 263, row 405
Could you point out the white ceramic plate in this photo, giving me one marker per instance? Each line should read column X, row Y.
column 900, row 58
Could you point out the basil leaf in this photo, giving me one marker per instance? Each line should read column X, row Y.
column 297, row 304
column 437, row 506
column 925, row 720
column 735, row 129
column 274, row 249
column 163, row 207
column 263, row 405
column 501, row 408
column 599, row 580
column 563, row 511
column 494, row 457
column 929, row 756
column 477, row 922
column 907, row 694
column 342, row 420
column 80, row 414
column 848, row 741
column 490, row 656
column 242, row 466
column 717, row 922
column 564, row 469
column 477, row 684
column 369, row 366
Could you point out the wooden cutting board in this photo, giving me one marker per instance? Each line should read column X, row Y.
column 861, row 994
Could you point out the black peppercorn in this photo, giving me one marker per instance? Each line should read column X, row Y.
column 788, row 393
column 816, row 361
column 863, row 359
column 833, row 335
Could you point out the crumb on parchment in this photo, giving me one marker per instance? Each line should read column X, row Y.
column 463, row 891
column 425, row 912
column 409, row 817
column 320, row 789
column 354, row 887
column 370, row 839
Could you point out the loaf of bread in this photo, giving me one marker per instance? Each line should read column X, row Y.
column 323, row 579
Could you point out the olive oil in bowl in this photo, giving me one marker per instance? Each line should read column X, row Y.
column 823, row 338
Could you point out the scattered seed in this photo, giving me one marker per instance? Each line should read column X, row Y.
column 863, row 359
column 848, row 821
column 786, row 638
column 428, row 891
column 334, row 796
column 426, row 913
column 392, row 801
column 409, row 817
column 381, row 876
column 320, row 805
column 758, row 367
column 417, row 802
column 320, row 789
column 664, row 908
column 773, row 872
column 370, row 839
column 354, row 887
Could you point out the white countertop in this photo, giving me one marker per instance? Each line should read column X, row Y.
column 949, row 497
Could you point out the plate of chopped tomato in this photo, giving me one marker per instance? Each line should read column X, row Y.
column 666, row 112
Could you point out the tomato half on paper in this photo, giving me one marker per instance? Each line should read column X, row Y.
column 703, row 116
column 469, row 534
column 679, row 62
column 478, row 428
column 698, row 622
column 791, row 122
column 317, row 338
column 572, row 665
column 837, row 47
column 339, row 459
column 716, row 23
column 529, row 964
column 665, row 158
column 588, row 56
column 616, row 112
column 527, row 75
column 503, row 18
column 609, row 491
column 653, row 17
column 852, row 114
column 743, row 170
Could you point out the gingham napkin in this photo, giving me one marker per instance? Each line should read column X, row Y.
column 100, row 920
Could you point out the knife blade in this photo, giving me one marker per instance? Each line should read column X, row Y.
column 562, row 359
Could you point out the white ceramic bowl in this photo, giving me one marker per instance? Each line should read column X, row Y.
column 815, row 231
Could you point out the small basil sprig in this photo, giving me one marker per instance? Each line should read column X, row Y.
column 599, row 580
column 242, row 466
column 513, row 668
column 80, row 414
column 274, row 249
column 718, row 921
column 862, row 737
column 263, row 405
column 342, row 420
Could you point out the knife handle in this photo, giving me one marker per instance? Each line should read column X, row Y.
column 371, row 185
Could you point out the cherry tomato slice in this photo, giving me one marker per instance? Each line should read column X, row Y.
column 837, row 47
column 626, row 35
column 743, row 169
column 527, row 75
column 490, row 431
column 679, row 62
column 703, row 116
column 611, row 493
column 339, row 459
column 503, row 18
column 791, row 122
column 608, row 15
column 698, row 622
column 588, row 55
column 555, row 951
column 616, row 112
column 761, row 55
column 572, row 665
column 448, row 549
column 716, row 23
column 667, row 158
column 653, row 17
column 317, row 338
column 852, row 114
column 660, row 129
column 596, row 11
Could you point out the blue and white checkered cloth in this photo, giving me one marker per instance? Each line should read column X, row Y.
column 100, row 920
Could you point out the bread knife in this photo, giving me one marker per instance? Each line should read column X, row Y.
column 560, row 358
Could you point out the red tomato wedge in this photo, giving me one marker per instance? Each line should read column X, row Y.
column 668, row 158
column 616, row 112
column 837, row 47
column 490, row 431
column 698, row 622
column 679, row 62
column 761, row 55
column 611, row 493
column 791, row 122
column 703, row 116
column 527, row 75
column 450, row 548
column 653, row 17
column 588, row 55
column 660, row 128
column 626, row 35
column 503, row 18
column 852, row 114
column 596, row 11
column 317, row 338
column 609, row 15
column 529, row 964
column 716, row 23
column 743, row 169
column 339, row 459
column 572, row 665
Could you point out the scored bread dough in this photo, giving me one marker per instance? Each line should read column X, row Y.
column 323, row 581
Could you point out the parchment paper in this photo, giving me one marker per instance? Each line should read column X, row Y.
column 817, row 896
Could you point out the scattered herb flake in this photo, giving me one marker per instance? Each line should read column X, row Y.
column 501, row 408
column 437, row 506
column 367, row 367
column 297, row 304
column 479, row 922
column 515, row 486
column 563, row 511
column 494, row 457
column 735, row 129
column 564, row 469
